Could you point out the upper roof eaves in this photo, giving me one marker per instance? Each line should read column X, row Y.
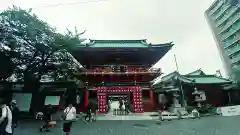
column 196, row 72
column 124, row 44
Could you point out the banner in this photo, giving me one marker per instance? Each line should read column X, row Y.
column 229, row 110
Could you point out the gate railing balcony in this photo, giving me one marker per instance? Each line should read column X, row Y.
column 127, row 71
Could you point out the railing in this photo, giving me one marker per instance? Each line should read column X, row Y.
column 226, row 16
column 236, row 49
column 127, row 71
column 236, row 59
column 230, row 42
column 219, row 4
column 233, row 30
column 121, row 111
column 233, row 41
column 223, row 9
column 230, row 22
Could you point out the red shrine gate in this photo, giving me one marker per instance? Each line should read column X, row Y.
column 104, row 91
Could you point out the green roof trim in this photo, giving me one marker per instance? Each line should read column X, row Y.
column 197, row 72
column 196, row 77
column 118, row 43
column 208, row 79
column 141, row 43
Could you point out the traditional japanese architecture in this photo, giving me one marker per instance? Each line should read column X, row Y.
column 193, row 89
column 115, row 68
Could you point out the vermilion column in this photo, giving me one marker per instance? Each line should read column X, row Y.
column 86, row 98
column 151, row 97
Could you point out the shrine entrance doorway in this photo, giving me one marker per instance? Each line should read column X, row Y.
column 113, row 101
column 104, row 92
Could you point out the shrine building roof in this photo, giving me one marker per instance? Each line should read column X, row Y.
column 195, row 77
column 118, row 43
column 129, row 52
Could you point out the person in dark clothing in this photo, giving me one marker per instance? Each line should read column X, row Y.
column 15, row 113
column 127, row 106
column 120, row 104
column 94, row 110
column 88, row 113
column 47, row 118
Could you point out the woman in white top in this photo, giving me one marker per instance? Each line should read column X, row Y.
column 5, row 120
column 70, row 116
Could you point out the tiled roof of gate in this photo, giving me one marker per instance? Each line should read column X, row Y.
column 123, row 44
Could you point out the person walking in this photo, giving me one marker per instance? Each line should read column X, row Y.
column 5, row 119
column 15, row 114
column 88, row 112
column 69, row 117
column 47, row 117
column 94, row 111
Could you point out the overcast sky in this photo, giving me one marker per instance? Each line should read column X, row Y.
column 158, row 21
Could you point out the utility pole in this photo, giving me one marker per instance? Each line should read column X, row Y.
column 176, row 62
column 181, row 88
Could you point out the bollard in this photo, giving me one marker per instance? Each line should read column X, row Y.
column 160, row 115
column 179, row 114
column 114, row 111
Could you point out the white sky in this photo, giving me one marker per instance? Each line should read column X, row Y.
column 158, row 21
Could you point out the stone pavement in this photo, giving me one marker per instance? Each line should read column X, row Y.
column 131, row 116
column 140, row 116
column 216, row 125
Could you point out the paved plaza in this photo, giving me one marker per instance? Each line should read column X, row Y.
column 214, row 125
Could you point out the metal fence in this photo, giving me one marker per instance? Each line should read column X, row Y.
column 120, row 112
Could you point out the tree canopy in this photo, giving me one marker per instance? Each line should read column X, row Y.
column 33, row 50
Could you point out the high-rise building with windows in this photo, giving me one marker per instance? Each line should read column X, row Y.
column 223, row 17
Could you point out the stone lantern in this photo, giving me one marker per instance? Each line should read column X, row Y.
column 199, row 97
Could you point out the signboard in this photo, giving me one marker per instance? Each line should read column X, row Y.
column 52, row 100
column 23, row 101
column 229, row 110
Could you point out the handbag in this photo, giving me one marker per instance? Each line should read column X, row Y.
column 65, row 114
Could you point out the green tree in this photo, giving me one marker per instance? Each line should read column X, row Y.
column 43, row 52
column 6, row 69
column 8, row 54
